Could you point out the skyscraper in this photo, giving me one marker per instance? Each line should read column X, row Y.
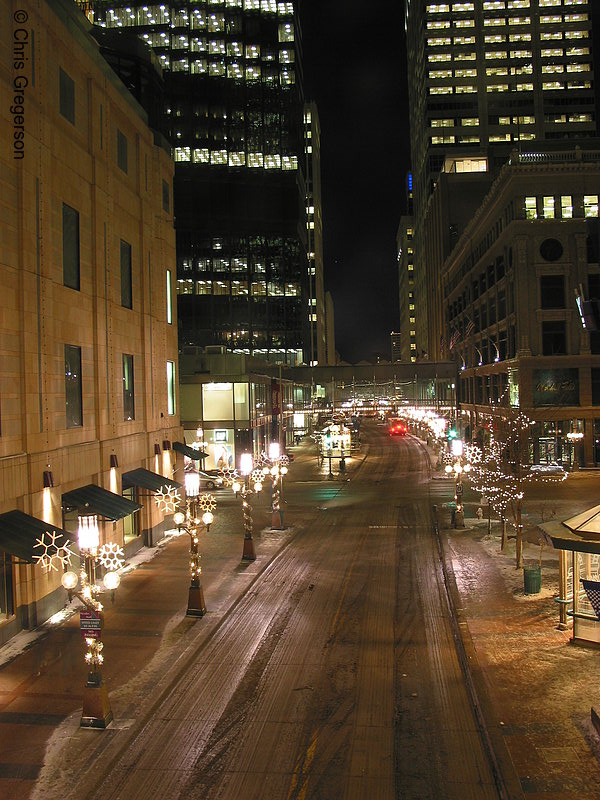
column 487, row 77
column 234, row 110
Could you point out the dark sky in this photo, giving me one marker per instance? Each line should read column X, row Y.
column 355, row 70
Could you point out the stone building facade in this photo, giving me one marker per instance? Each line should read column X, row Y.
column 88, row 386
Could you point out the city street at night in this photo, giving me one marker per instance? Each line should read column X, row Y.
column 346, row 661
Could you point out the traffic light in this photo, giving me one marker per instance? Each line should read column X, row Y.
column 451, row 434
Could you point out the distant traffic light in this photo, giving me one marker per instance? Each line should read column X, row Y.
column 451, row 434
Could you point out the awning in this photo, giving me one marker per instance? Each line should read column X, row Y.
column 148, row 480
column 190, row 452
column 19, row 532
column 92, row 499
column 562, row 537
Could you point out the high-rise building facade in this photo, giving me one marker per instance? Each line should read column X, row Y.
column 234, row 108
column 314, row 236
column 485, row 77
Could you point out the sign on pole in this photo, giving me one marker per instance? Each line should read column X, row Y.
column 90, row 623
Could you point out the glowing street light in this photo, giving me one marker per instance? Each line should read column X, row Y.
column 97, row 712
column 277, row 471
column 250, row 475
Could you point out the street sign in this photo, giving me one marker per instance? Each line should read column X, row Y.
column 90, row 623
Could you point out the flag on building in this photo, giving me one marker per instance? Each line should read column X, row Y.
column 592, row 589
column 470, row 328
column 454, row 339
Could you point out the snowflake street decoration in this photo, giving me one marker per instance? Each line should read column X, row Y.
column 263, row 460
column 52, row 551
column 207, row 502
column 167, row 499
column 111, row 556
column 284, row 461
column 229, row 475
column 257, row 476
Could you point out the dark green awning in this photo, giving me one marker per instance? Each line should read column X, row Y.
column 19, row 533
column 190, row 452
column 148, row 480
column 92, row 499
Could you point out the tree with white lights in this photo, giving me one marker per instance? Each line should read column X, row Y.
column 505, row 470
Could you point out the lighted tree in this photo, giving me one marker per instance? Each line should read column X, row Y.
column 506, row 473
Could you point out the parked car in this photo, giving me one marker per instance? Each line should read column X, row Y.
column 553, row 468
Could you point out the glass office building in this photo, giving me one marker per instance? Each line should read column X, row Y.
column 234, row 116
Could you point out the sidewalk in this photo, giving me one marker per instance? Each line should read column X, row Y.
column 539, row 688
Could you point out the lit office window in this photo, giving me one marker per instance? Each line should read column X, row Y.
column 438, row 8
column 566, row 206
column 440, row 90
column 439, row 41
column 464, row 23
column 531, row 208
column 519, row 37
column 438, row 24
column 442, row 123
column 440, row 73
column 437, row 57
column 580, row 118
column 494, row 21
column 576, row 17
column 548, row 207
column 519, row 20
column 493, row 54
column 551, row 36
column 128, row 388
column 590, row 205
column 495, row 38
column 465, row 73
column 470, row 56
column 553, row 19
column 182, row 154
column 551, row 52
column 548, row 69
column 469, row 121
column 73, row 386
column 169, row 298
column 577, row 34
column 579, row 67
column 460, row 40
column 494, row 5
column 520, row 53
column 549, row 3
column 466, row 89
column 497, row 87
column 443, row 139
column 552, row 85
column 170, row 388
column 501, row 71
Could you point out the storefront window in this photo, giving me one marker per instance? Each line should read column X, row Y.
column 217, row 401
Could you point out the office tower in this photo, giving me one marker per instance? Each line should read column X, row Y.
column 487, row 77
column 234, row 107
column 314, row 235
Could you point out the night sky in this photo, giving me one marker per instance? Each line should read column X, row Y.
column 355, row 70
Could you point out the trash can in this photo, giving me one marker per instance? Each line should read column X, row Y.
column 532, row 580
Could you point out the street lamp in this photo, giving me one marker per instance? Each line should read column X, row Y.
column 460, row 467
column 277, row 471
column 575, row 438
column 97, row 712
column 249, row 474
column 188, row 520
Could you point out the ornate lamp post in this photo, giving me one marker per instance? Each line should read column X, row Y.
column 277, row 471
column 187, row 519
column 249, row 474
column 458, row 468
column 97, row 712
